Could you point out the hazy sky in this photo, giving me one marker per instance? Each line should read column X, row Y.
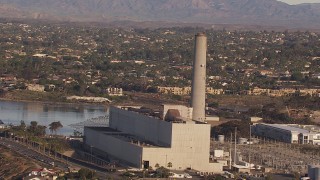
column 300, row 1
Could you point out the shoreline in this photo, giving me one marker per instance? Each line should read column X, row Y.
column 66, row 130
column 54, row 102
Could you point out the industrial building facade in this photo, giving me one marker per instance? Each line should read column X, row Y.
column 289, row 133
column 179, row 140
column 137, row 140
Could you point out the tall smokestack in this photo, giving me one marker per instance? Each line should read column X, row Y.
column 198, row 94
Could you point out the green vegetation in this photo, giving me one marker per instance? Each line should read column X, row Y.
column 77, row 60
column 32, row 130
column 86, row 174
column 162, row 172
column 35, row 96
column 82, row 174
column 84, row 61
column 54, row 126
column 37, row 133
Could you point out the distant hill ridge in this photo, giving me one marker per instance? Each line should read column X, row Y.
column 250, row 12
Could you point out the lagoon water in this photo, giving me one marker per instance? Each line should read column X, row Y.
column 46, row 113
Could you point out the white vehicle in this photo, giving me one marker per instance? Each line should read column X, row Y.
column 228, row 174
column 174, row 175
column 186, row 175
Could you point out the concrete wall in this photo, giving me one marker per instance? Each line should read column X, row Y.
column 213, row 118
column 198, row 93
column 148, row 128
column 190, row 149
column 122, row 150
column 275, row 133
column 218, row 153
column 189, row 143
column 192, row 143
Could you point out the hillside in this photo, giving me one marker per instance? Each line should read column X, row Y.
column 249, row 12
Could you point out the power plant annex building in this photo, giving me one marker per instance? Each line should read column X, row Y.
column 181, row 138
column 289, row 133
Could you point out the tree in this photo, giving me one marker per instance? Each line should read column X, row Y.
column 162, row 172
column 297, row 176
column 86, row 173
column 297, row 76
column 37, row 130
column 22, row 125
column 77, row 133
column 169, row 165
column 157, row 165
column 40, row 130
column 60, row 178
column 33, row 126
column 54, row 126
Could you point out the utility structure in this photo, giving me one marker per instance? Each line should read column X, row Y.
column 198, row 92
column 180, row 138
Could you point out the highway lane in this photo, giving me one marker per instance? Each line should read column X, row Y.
column 60, row 161
column 30, row 153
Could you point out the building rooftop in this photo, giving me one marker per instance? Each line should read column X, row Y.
column 106, row 129
column 125, row 137
column 132, row 139
column 289, row 127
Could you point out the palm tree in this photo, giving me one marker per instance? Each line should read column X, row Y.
column 34, row 124
column 54, row 126
column 157, row 166
column 22, row 125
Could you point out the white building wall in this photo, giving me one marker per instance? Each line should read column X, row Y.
column 190, row 149
column 294, row 137
column 122, row 150
column 218, row 153
column 148, row 128
column 189, row 143
column 180, row 161
column 283, row 135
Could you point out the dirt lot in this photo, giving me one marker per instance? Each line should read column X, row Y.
column 316, row 117
column 13, row 165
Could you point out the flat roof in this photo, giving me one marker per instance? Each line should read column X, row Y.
column 288, row 128
column 125, row 137
column 132, row 139
column 102, row 129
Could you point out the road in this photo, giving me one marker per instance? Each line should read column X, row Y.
column 30, row 153
column 59, row 161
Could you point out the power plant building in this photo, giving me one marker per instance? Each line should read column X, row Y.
column 289, row 133
column 137, row 140
column 179, row 137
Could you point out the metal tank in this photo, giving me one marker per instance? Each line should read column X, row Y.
column 198, row 93
column 221, row 138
